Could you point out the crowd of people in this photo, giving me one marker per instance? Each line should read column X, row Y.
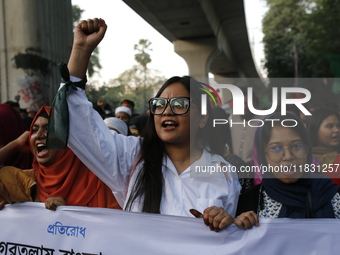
column 134, row 122
column 144, row 163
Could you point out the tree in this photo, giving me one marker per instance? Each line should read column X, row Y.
column 137, row 83
column 143, row 58
column 301, row 32
column 94, row 63
column 94, row 93
column 322, row 36
column 282, row 27
column 130, row 84
column 76, row 14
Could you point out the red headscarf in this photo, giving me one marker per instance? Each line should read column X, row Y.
column 69, row 178
column 11, row 127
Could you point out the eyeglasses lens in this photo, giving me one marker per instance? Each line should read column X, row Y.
column 178, row 105
column 298, row 151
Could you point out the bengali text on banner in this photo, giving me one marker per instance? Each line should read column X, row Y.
column 29, row 228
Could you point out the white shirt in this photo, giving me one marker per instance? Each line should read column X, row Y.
column 111, row 157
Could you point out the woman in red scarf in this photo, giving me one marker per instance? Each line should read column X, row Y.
column 55, row 174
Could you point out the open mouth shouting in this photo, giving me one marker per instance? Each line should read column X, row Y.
column 169, row 124
column 41, row 150
column 42, row 154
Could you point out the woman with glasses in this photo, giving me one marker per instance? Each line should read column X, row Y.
column 151, row 174
column 291, row 186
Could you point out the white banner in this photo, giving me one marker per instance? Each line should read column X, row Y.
column 29, row 228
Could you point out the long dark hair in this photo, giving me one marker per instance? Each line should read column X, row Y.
column 314, row 123
column 149, row 182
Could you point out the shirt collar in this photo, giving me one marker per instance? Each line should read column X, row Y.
column 207, row 159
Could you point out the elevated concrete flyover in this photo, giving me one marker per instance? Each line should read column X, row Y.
column 211, row 35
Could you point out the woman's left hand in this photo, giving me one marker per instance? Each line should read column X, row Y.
column 214, row 217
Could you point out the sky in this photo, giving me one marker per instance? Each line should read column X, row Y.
column 126, row 28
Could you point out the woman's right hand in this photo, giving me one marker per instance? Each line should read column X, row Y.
column 214, row 217
column 247, row 220
column 88, row 34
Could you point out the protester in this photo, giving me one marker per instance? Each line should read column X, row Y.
column 57, row 177
column 150, row 174
column 292, row 190
column 324, row 132
column 26, row 118
column 22, row 112
column 108, row 110
column 99, row 109
column 117, row 125
column 130, row 104
column 31, row 114
column 137, row 125
column 123, row 113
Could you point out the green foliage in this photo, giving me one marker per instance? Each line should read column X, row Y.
column 137, row 83
column 323, row 36
column 282, row 29
column 129, row 85
column 308, row 28
column 133, row 81
column 94, row 93
column 143, row 57
column 76, row 14
column 94, row 63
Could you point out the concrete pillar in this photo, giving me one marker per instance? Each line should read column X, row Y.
column 35, row 36
column 196, row 53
